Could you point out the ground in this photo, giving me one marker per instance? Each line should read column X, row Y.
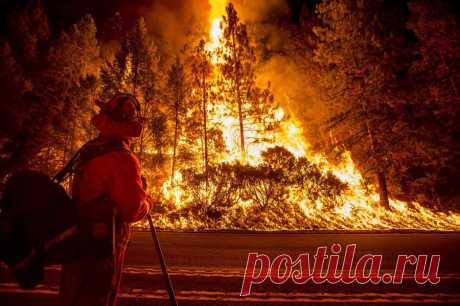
column 207, row 269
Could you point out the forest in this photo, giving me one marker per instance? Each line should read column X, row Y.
column 264, row 115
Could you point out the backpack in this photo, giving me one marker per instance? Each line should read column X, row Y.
column 40, row 223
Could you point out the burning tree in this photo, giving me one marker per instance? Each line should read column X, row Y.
column 355, row 74
column 286, row 185
column 48, row 86
column 177, row 95
column 201, row 70
column 426, row 159
column 239, row 160
column 236, row 61
column 136, row 70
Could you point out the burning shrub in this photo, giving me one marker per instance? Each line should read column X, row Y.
column 262, row 196
column 267, row 185
column 279, row 158
column 303, row 179
column 313, row 184
column 212, row 192
column 263, row 185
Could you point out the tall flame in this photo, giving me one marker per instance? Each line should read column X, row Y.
column 358, row 207
column 215, row 19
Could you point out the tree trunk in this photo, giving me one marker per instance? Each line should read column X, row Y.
column 135, row 65
column 241, row 121
column 239, row 102
column 144, row 113
column 381, row 179
column 205, row 132
column 383, row 191
column 176, row 131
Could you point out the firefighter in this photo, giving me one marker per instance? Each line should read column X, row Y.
column 108, row 190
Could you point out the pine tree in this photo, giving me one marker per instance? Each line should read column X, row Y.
column 178, row 93
column 113, row 28
column 201, row 70
column 23, row 59
column 356, row 70
column 254, row 106
column 52, row 99
column 136, row 70
column 29, row 34
column 67, row 83
column 13, row 113
column 427, row 162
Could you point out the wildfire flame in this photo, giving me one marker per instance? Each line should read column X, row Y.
column 215, row 20
column 358, row 207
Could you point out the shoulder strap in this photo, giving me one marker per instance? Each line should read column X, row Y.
column 87, row 152
column 69, row 167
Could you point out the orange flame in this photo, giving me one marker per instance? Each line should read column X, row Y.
column 358, row 208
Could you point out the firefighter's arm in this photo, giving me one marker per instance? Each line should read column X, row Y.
column 132, row 202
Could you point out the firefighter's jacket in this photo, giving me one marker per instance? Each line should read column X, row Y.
column 115, row 175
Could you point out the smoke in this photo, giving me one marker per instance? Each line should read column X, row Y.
column 294, row 89
column 271, row 25
column 177, row 23
column 285, row 59
column 257, row 11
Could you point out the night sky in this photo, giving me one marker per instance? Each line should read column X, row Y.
column 64, row 13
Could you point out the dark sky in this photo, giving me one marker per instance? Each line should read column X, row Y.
column 163, row 16
column 69, row 11
column 63, row 13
